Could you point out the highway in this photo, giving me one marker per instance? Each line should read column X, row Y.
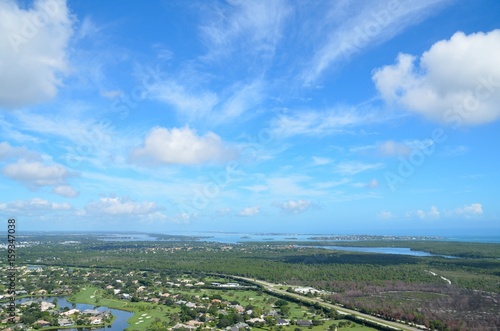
column 274, row 288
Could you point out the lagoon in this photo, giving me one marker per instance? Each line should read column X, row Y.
column 381, row 250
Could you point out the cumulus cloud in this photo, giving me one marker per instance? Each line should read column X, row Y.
column 250, row 211
column 432, row 213
column 35, row 174
column 470, row 210
column 457, row 81
column 182, row 146
column 294, row 206
column 116, row 206
column 33, row 46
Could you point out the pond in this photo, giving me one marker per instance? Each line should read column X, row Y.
column 119, row 324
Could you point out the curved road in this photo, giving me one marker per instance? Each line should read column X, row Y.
column 272, row 287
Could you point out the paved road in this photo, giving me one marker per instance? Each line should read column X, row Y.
column 273, row 288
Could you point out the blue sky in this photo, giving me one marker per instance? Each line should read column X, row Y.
column 377, row 117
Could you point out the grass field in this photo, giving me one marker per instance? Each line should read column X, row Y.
column 147, row 313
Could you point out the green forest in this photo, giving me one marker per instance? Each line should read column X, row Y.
column 456, row 293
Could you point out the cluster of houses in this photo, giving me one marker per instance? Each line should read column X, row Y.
column 65, row 317
column 250, row 319
column 136, row 285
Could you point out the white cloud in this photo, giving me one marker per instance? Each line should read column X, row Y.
column 111, row 94
column 256, row 188
column 456, row 81
column 255, row 26
column 432, row 213
column 318, row 161
column 250, row 211
column 115, row 206
column 36, row 174
column 196, row 103
column 294, row 206
column 7, row 151
column 320, row 123
column 242, row 98
column 392, row 148
column 372, row 184
column 352, row 168
column 34, row 205
column 474, row 209
column 33, row 46
column 65, row 191
column 182, row 146
column 470, row 210
column 192, row 104
column 357, row 26
column 455, row 150
column 385, row 215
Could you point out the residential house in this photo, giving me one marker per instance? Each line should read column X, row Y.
column 282, row 322
column 65, row 322
column 304, row 323
column 43, row 323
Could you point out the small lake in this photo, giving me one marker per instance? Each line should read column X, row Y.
column 119, row 324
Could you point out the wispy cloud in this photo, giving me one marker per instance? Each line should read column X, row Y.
column 35, row 205
column 319, row 161
column 253, row 26
column 353, row 167
column 322, row 122
column 370, row 23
